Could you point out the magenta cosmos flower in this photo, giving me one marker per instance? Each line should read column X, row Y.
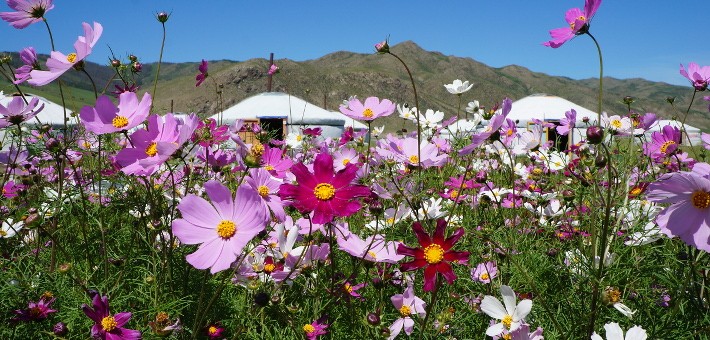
column 578, row 22
column 434, row 253
column 370, row 110
column 36, row 311
column 268, row 188
column 688, row 216
column 58, row 63
column 324, row 192
column 200, row 77
column 27, row 12
column 105, row 117
column 222, row 228
column 17, row 112
column 698, row 76
column 107, row 326
column 315, row 329
column 493, row 125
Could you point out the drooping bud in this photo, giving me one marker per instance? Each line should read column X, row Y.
column 373, row 318
column 628, row 100
column 115, row 63
column 595, row 135
column 60, row 329
column 162, row 17
column 382, row 47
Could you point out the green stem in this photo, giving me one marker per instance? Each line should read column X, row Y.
column 601, row 78
column 157, row 72
column 416, row 103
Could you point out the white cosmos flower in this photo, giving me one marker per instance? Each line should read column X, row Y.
column 406, row 112
column 430, row 119
column 510, row 316
column 473, row 107
column 458, row 87
column 614, row 332
column 377, row 130
column 10, row 228
column 651, row 233
column 294, row 140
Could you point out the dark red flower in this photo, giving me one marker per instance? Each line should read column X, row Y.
column 434, row 253
column 200, row 77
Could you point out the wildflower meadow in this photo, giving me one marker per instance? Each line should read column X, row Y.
column 138, row 223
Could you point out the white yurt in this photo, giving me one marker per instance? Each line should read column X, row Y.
column 690, row 131
column 550, row 109
column 277, row 111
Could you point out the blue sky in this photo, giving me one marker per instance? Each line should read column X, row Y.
column 647, row 39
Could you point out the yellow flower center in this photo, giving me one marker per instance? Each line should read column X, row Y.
column 3, row 233
column 581, row 17
column 263, row 190
column 348, row 288
column 701, row 199
column 226, row 229
column 506, row 337
column 616, row 124
column 536, row 171
column 664, row 146
column 152, row 149
column 257, row 149
column 269, row 267
column 308, row 328
column 367, row 113
column 390, row 220
column 614, row 296
column 87, row 145
column 507, row 320
column 346, row 161
column 269, row 167
column 299, row 138
column 414, row 159
column 509, row 133
column 405, row 311
column 161, row 317
column 454, row 194
column 433, row 254
column 635, row 191
column 212, row 330
column 119, row 122
column 372, row 254
column 71, row 57
column 484, row 276
column 109, row 323
column 324, row 191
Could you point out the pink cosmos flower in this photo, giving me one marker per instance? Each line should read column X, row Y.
column 273, row 69
column 200, row 77
column 567, row 123
column 323, row 191
column 152, row 147
column 29, row 58
column 370, row 110
column 688, row 216
column 316, row 328
column 105, row 117
column 222, row 228
column 36, row 311
column 484, row 272
column 268, row 188
column 705, row 137
column 58, row 63
column 663, row 143
column 274, row 161
column 493, row 125
column 27, row 12
column 208, row 133
column 373, row 248
column 698, row 76
column 407, row 304
column 107, row 326
column 578, row 22
column 17, row 112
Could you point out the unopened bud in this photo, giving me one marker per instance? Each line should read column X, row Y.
column 162, row 17
column 595, row 135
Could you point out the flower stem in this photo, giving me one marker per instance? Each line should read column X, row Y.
column 601, row 78
column 416, row 104
column 157, row 72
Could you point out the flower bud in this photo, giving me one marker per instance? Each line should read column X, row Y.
column 481, row 177
column 261, row 299
column 600, row 161
column 115, row 63
column 132, row 58
column 628, row 100
column 670, row 100
column 162, row 17
column 382, row 47
column 60, row 329
column 373, row 319
column 595, row 135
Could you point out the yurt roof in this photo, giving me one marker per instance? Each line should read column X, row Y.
column 52, row 113
column 349, row 122
column 546, row 107
column 281, row 105
column 663, row 122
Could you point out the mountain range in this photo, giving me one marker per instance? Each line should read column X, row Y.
column 328, row 80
